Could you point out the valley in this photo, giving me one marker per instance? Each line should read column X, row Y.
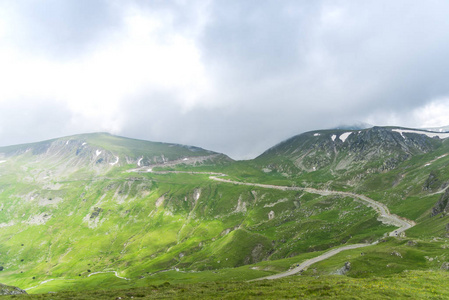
column 100, row 211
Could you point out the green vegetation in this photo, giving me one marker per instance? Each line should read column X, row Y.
column 85, row 213
column 408, row 285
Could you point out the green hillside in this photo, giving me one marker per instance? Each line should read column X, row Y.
column 99, row 211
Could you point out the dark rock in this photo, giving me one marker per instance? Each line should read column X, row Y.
column 96, row 212
column 10, row 290
column 411, row 243
column 432, row 182
column 445, row 266
column 442, row 205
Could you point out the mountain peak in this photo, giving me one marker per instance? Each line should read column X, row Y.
column 380, row 148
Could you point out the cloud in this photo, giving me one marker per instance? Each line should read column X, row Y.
column 25, row 121
column 60, row 29
column 433, row 114
column 231, row 76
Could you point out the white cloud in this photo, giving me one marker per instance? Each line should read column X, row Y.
column 232, row 76
column 143, row 56
column 433, row 114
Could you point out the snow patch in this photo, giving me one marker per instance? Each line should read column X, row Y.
column 116, row 162
column 426, row 165
column 429, row 134
column 333, row 137
column 83, row 144
column 317, row 134
column 98, row 152
column 185, row 159
column 138, row 162
column 344, row 136
column 2, row 161
column 67, row 142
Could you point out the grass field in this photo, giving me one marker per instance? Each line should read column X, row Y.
column 407, row 285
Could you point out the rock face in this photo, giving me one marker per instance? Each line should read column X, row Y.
column 445, row 266
column 10, row 290
column 442, row 204
column 432, row 182
column 343, row 270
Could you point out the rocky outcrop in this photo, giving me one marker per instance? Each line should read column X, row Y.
column 442, row 204
column 10, row 290
column 343, row 270
column 432, row 182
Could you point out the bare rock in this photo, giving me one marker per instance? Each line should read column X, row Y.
column 343, row 270
column 442, row 205
column 10, row 290
column 396, row 253
column 411, row 243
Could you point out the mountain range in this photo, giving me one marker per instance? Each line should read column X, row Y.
column 98, row 210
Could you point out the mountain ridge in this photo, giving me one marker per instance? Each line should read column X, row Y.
column 65, row 214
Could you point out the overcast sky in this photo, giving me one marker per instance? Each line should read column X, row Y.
column 231, row 76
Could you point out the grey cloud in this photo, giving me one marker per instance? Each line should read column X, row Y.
column 61, row 29
column 33, row 120
column 278, row 68
column 253, row 40
column 241, row 133
column 385, row 56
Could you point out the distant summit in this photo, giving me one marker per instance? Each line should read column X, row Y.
column 354, row 126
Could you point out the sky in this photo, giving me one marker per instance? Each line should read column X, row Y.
column 231, row 76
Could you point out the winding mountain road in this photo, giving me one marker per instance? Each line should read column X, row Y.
column 384, row 213
column 304, row 265
column 385, row 216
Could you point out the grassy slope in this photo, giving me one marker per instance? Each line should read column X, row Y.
column 138, row 239
column 409, row 285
